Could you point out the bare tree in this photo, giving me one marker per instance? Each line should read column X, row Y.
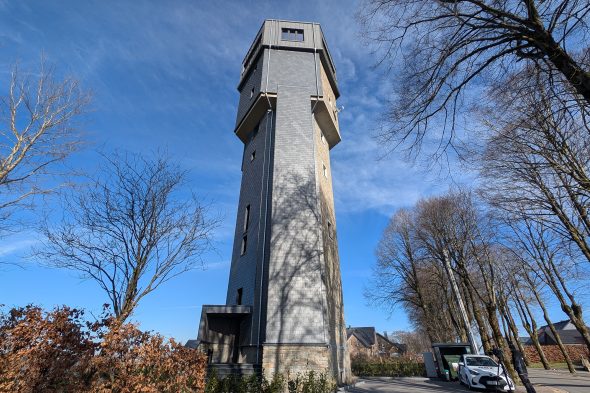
column 447, row 47
column 405, row 277
column 38, row 129
column 547, row 260
column 415, row 342
column 536, row 161
column 131, row 230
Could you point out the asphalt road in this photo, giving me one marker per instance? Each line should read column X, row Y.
column 545, row 381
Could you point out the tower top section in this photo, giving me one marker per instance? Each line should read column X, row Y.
column 294, row 36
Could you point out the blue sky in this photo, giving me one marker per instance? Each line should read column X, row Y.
column 164, row 75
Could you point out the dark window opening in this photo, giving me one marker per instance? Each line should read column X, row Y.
column 244, row 244
column 253, row 156
column 254, row 131
column 252, row 93
column 330, row 230
column 246, row 218
column 291, row 34
column 239, row 296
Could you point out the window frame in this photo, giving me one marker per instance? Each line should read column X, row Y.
column 246, row 218
column 244, row 245
column 292, row 34
column 240, row 293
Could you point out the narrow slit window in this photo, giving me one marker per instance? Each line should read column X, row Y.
column 323, row 138
column 330, row 230
column 239, row 296
column 291, row 34
column 253, row 156
column 252, row 93
column 246, row 218
column 244, row 245
column 325, row 170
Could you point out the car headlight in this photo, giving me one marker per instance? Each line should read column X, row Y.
column 473, row 372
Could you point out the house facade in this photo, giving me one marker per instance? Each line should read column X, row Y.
column 366, row 342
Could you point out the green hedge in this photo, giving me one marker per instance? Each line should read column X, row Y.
column 388, row 368
column 309, row 382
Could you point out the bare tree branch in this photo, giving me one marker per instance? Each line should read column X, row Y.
column 131, row 230
column 38, row 129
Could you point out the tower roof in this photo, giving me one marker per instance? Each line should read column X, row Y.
column 291, row 35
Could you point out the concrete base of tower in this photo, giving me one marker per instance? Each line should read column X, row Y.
column 292, row 359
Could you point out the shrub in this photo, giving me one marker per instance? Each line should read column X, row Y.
column 58, row 351
column 309, row 382
column 43, row 352
column 399, row 367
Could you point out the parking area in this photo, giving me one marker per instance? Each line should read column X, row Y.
column 552, row 381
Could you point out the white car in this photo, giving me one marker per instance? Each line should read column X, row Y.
column 482, row 372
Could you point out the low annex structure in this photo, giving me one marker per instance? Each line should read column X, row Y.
column 284, row 309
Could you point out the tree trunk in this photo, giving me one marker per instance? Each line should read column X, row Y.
column 574, row 312
column 572, row 71
column 483, row 334
column 531, row 328
column 563, row 350
column 514, row 331
column 499, row 339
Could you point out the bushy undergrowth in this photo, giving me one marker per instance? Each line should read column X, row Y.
column 59, row 351
column 309, row 382
column 397, row 367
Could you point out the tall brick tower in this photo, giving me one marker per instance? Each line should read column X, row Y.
column 284, row 309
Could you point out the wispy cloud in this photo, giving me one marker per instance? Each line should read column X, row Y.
column 12, row 247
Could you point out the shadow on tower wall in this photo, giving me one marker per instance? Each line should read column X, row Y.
column 304, row 304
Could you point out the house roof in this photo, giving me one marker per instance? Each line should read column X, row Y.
column 546, row 337
column 365, row 335
column 191, row 343
column 561, row 326
column 400, row 347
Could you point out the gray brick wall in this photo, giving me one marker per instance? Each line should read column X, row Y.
column 253, row 81
column 291, row 68
column 295, row 290
column 290, row 272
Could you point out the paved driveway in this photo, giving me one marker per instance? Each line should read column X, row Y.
column 577, row 383
column 544, row 381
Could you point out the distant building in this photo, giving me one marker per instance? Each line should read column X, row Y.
column 366, row 342
column 567, row 332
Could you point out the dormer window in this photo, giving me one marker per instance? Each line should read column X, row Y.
column 292, row 34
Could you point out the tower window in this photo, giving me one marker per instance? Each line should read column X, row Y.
column 253, row 156
column 325, row 170
column 252, row 93
column 323, row 138
column 239, row 296
column 254, row 131
column 244, row 244
column 246, row 218
column 291, row 34
column 330, row 230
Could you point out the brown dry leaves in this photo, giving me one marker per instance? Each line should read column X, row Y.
column 58, row 351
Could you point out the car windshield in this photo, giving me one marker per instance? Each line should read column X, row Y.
column 480, row 361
